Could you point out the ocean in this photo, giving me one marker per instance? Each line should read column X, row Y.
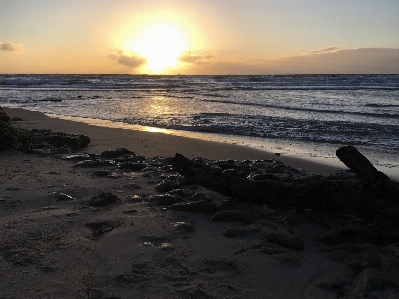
column 297, row 115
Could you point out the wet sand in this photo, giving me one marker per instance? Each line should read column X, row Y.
column 151, row 144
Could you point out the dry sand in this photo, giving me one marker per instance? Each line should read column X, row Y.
column 53, row 246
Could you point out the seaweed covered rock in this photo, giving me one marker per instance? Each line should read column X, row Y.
column 11, row 136
column 47, row 138
column 43, row 141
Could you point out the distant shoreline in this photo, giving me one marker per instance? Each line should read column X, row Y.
column 158, row 143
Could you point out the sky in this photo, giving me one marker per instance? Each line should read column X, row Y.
column 199, row 36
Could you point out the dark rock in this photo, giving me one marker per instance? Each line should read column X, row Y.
column 370, row 280
column 199, row 197
column 341, row 175
column 165, row 200
column 125, row 151
column 297, row 218
column 74, row 142
column 382, row 258
column 156, row 240
column 111, row 154
column 233, row 215
column 164, row 163
column 100, row 228
column 159, row 242
column 228, row 204
column 370, row 234
column 337, row 255
column 150, row 173
column 133, row 186
column 176, row 196
column 342, row 252
column 113, row 176
column 172, row 197
column 241, row 231
column 130, row 211
column 102, row 173
column 134, row 198
column 172, row 182
column 182, row 193
column 352, row 248
column 93, row 163
column 103, row 199
column 307, row 216
column 223, row 266
column 84, row 140
column 184, row 226
column 76, row 157
column 43, row 138
column 369, row 258
column 132, row 166
column 327, row 286
column 195, row 206
column 230, row 172
column 131, row 158
column 338, row 236
column 283, row 238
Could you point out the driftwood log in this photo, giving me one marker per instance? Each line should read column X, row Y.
column 369, row 193
column 367, row 174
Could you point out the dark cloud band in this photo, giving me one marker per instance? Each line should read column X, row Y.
column 7, row 46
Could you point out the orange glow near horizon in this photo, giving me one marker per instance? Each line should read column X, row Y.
column 160, row 44
column 159, row 37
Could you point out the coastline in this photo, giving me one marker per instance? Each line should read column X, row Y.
column 107, row 135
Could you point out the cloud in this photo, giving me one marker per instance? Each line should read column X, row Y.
column 131, row 60
column 348, row 61
column 329, row 60
column 7, row 46
column 323, row 50
column 195, row 58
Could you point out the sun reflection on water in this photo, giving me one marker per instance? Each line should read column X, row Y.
column 159, row 105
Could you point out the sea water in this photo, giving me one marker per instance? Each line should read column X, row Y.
column 305, row 115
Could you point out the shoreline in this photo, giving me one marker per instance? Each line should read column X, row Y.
column 107, row 135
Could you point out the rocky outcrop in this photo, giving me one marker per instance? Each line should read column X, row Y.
column 11, row 135
column 272, row 183
column 47, row 138
column 37, row 141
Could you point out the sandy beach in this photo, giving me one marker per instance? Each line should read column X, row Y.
column 76, row 231
column 151, row 144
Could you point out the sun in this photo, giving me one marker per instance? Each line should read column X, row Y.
column 161, row 44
